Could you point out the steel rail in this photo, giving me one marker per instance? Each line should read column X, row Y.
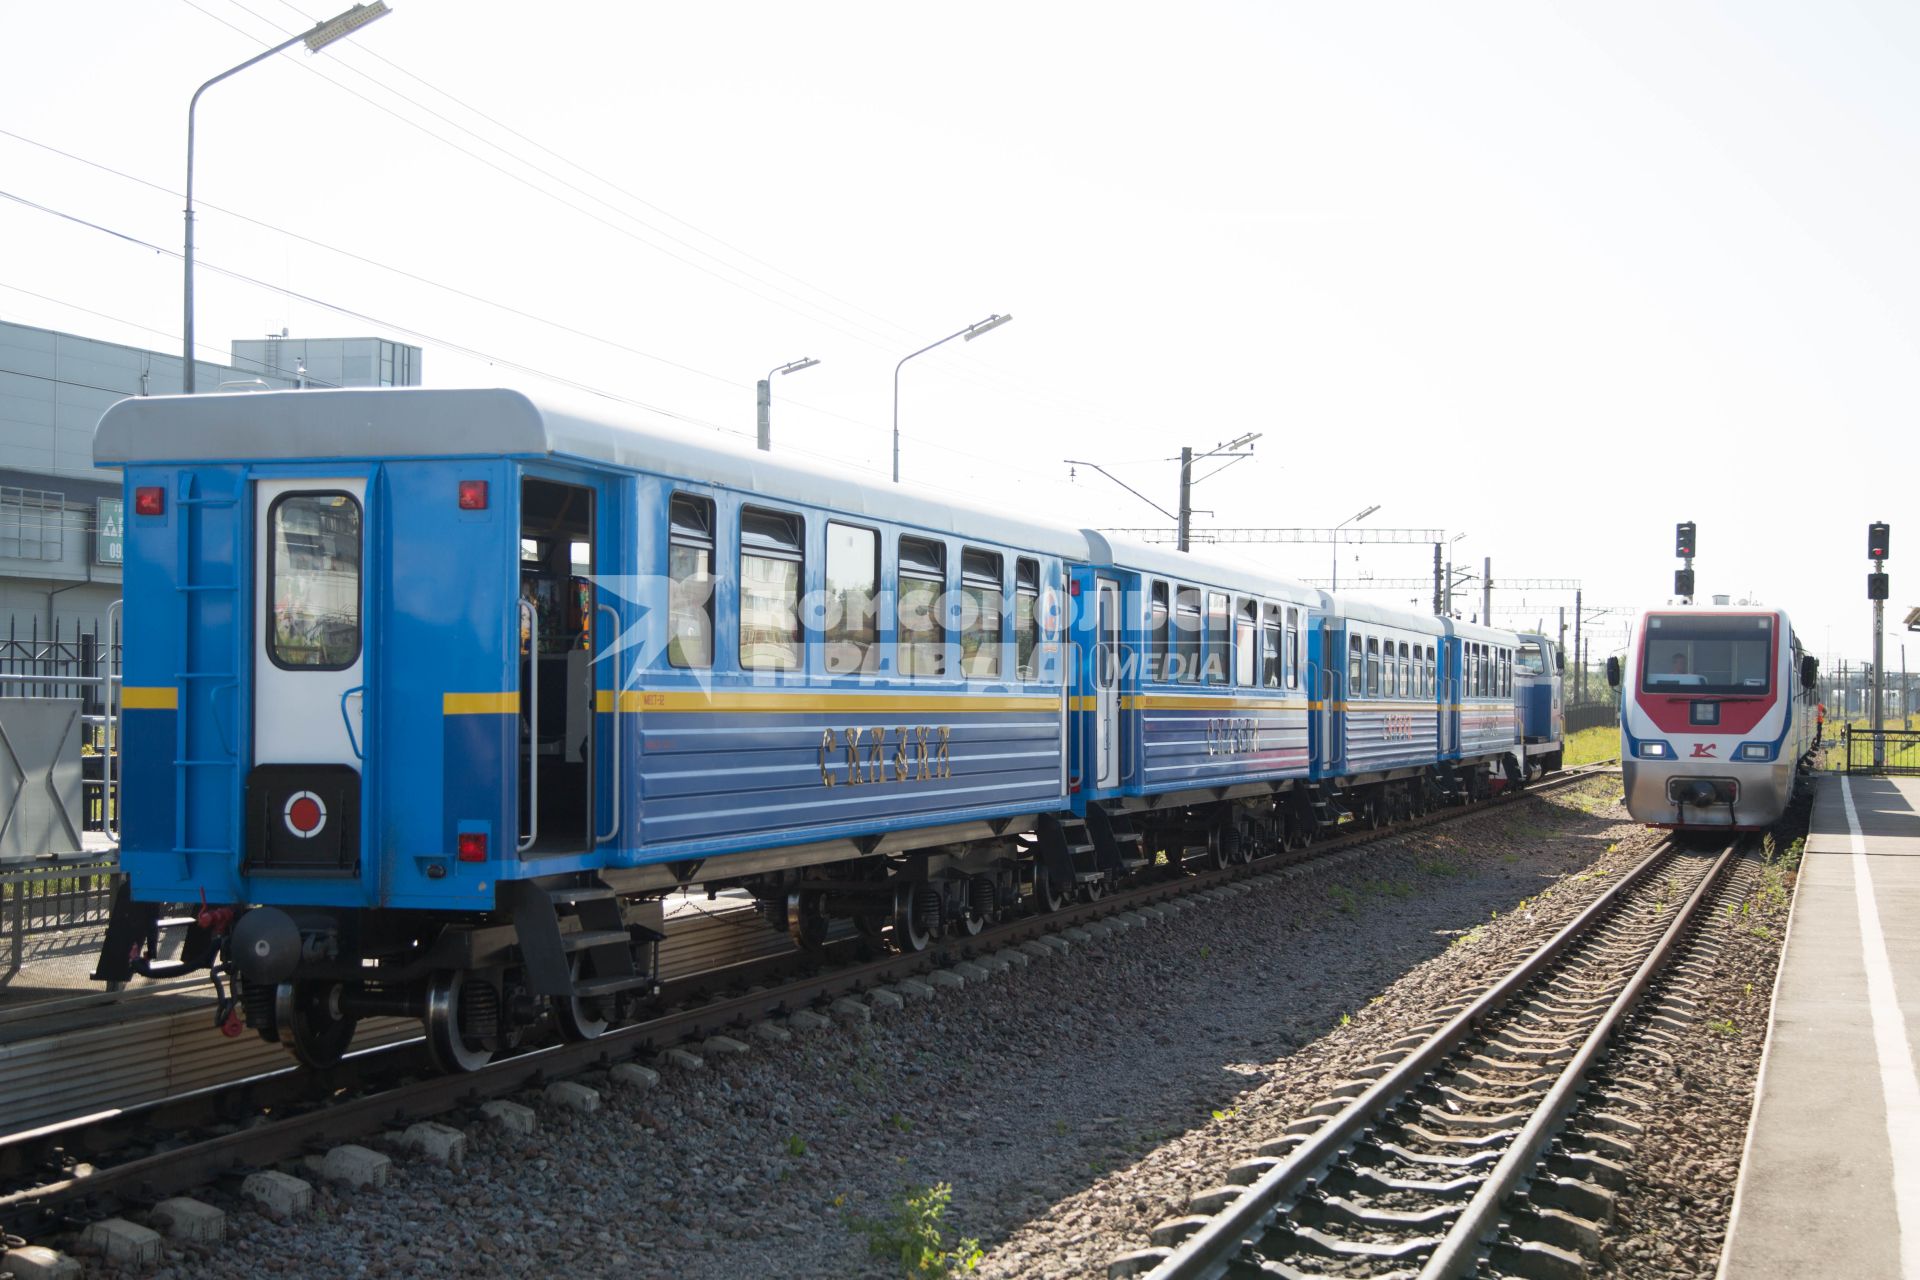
column 1459, row 1252
column 1213, row 1247
column 335, row 1119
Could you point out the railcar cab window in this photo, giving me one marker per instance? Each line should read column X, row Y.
column 1026, row 617
column 923, row 632
column 772, row 560
column 1186, row 635
column 1531, row 660
column 1217, row 638
column 1157, row 666
column 1246, row 641
column 853, row 592
column 1708, row 654
column 313, row 581
column 983, row 594
column 690, row 573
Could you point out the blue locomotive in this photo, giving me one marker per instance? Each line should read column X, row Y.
column 432, row 695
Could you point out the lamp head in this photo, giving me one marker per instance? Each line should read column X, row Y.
column 985, row 326
column 345, row 24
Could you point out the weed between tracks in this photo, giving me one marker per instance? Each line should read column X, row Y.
column 913, row 1235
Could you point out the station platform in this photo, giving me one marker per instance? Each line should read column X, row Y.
column 1830, row 1185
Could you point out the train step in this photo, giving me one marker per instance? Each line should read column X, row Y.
column 580, row 893
column 608, row 986
column 587, row 939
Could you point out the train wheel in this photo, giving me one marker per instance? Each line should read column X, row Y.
column 1094, row 890
column 462, row 1019
column 1047, row 896
column 807, row 919
column 580, row 1019
column 910, row 932
column 309, row 1021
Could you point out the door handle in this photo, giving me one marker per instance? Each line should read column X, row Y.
column 353, row 739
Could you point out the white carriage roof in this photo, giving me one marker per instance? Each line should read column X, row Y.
column 1385, row 615
column 1145, row 557
column 433, row 422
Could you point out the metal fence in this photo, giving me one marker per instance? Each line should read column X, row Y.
column 70, row 661
column 53, row 906
column 1589, row 715
column 1891, row 751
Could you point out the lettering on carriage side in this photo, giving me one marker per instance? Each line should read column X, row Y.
column 858, row 756
column 1399, row 727
column 853, row 758
column 1233, row 735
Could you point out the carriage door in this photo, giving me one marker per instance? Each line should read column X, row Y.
column 558, row 615
column 309, row 664
column 1106, row 684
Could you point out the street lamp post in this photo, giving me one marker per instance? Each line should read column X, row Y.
column 322, row 35
column 766, row 399
column 971, row 332
column 1353, row 519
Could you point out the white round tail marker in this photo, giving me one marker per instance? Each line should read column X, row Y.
column 305, row 814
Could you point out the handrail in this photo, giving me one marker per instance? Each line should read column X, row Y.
column 353, row 739
column 613, row 634
column 109, row 799
column 531, row 617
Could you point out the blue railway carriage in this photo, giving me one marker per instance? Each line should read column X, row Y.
column 1192, row 729
column 431, row 696
column 1717, row 723
column 1538, row 665
column 1384, row 722
column 1483, row 742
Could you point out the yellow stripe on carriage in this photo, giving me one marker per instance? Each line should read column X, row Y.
column 138, row 698
column 480, row 704
column 724, row 700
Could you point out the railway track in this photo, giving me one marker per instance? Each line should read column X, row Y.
column 1485, row 1144
column 162, row 1147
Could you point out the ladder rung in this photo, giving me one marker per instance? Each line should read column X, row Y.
column 581, row 893
column 587, row 939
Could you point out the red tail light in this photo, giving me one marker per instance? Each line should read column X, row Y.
column 473, row 846
column 473, row 495
column 149, row 500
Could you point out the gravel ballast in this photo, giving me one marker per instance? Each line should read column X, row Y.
column 1069, row 1104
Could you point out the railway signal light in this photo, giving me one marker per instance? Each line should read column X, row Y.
column 1683, row 541
column 1683, row 583
column 1877, row 543
column 1876, row 586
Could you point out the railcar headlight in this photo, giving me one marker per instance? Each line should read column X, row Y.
column 1654, row 751
column 1754, row 751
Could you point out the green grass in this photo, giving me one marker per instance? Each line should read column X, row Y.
column 1590, row 746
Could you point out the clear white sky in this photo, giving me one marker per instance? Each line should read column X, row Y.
column 1554, row 276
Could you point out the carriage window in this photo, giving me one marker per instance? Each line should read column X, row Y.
column 923, row 633
column 1293, row 648
column 853, row 589
column 1186, row 634
column 1157, row 668
column 1356, row 669
column 690, row 573
column 1217, row 638
column 771, row 562
column 983, row 600
column 1406, row 670
column 1246, row 640
column 1026, row 617
column 313, row 582
column 1430, row 674
column 1373, row 667
column 1272, row 650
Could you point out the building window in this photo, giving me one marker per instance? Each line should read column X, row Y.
column 983, row 601
column 923, row 633
column 32, row 524
column 771, row 567
column 313, row 581
column 690, row 573
column 853, row 589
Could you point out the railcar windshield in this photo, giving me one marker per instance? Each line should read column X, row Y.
column 1716, row 655
column 1530, row 659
